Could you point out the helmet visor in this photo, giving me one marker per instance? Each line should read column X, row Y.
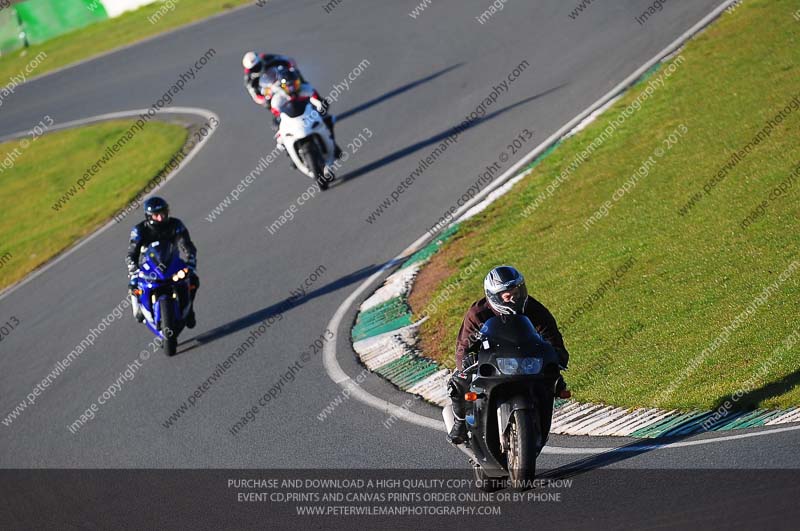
column 291, row 86
column 270, row 76
column 513, row 295
column 509, row 301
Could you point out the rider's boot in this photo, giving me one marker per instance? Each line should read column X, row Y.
column 561, row 388
column 456, row 388
column 194, row 285
column 458, row 433
column 191, row 321
column 337, row 151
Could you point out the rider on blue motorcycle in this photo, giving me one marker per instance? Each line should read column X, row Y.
column 158, row 226
column 506, row 294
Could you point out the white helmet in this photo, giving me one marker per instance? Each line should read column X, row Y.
column 250, row 60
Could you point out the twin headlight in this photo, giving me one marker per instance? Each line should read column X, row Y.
column 180, row 275
column 519, row 365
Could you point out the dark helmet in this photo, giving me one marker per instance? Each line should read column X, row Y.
column 155, row 206
column 288, row 78
column 269, row 77
column 505, row 290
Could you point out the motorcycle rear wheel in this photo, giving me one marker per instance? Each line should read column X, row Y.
column 168, row 328
column 487, row 484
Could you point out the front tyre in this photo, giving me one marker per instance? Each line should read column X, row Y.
column 523, row 437
column 168, row 326
column 312, row 158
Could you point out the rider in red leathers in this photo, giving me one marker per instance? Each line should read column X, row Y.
column 281, row 85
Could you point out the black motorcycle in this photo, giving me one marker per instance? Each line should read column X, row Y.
column 509, row 403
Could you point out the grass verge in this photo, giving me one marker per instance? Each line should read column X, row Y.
column 681, row 291
column 108, row 34
column 31, row 231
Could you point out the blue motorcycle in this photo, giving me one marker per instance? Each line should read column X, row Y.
column 164, row 289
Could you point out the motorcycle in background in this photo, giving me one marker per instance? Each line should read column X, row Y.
column 509, row 403
column 307, row 139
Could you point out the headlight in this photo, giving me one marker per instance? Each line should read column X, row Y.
column 519, row 365
column 180, row 275
column 508, row 365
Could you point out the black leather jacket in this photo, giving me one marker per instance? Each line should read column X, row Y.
column 173, row 231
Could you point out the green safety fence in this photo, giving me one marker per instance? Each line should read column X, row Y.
column 11, row 35
column 44, row 19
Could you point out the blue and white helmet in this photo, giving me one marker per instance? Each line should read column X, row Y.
column 505, row 290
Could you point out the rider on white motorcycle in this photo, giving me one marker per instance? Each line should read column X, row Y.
column 281, row 85
column 255, row 64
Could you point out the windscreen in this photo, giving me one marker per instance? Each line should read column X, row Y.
column 512, row 333
column 158, row 256
column 294, row 107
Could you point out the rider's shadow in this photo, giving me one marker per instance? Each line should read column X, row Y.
column 593, row 462
column 734, row 410
column 395, row 92
column 436, row 139
column 275, row 310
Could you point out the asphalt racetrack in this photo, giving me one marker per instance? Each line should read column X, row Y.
column 417, row 78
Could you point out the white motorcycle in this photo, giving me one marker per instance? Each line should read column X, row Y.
column 307, row 139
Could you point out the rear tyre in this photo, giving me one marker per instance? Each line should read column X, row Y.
column 312, row 158
column 487, row 484
column 523, row 438
column 168, row 328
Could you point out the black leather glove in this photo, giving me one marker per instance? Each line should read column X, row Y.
column 457, row 385
column 469, row 359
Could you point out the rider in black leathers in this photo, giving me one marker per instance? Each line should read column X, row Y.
column 505, row 294
column 158, row 226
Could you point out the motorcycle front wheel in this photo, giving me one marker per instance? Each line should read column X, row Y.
column 523, row 435
column 168, row 328
column 312, row 158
